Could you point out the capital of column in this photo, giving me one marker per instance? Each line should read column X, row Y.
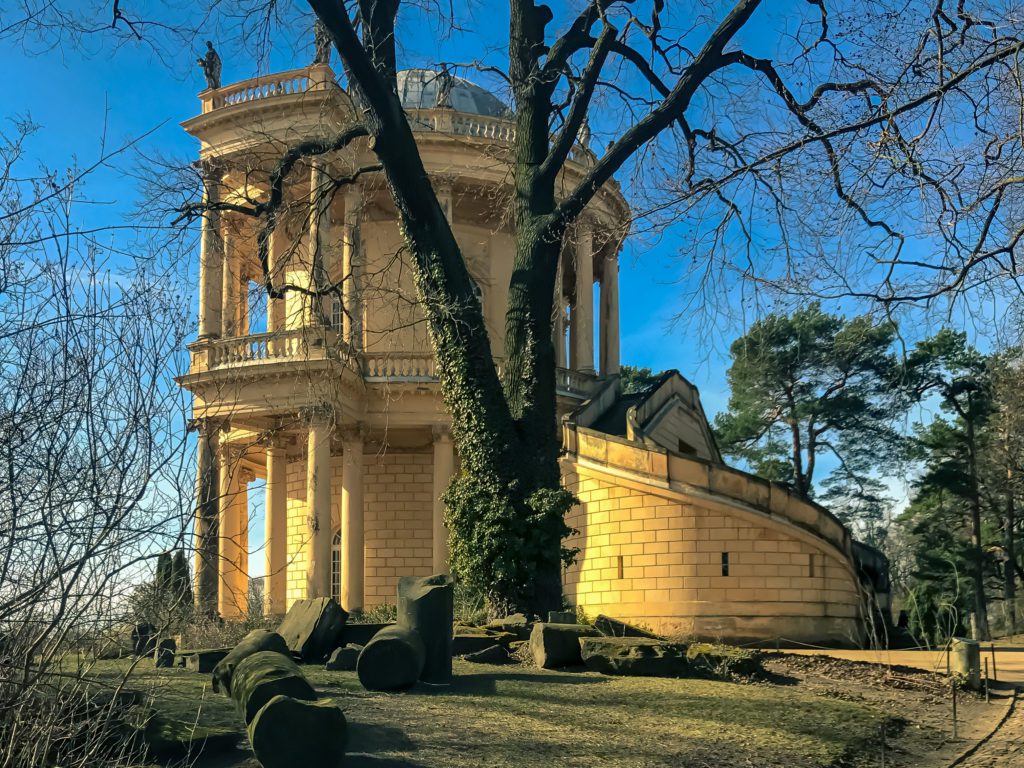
column 441, row 433
column 246, row 476
column 321, row 413
column 208, row 426
column 352, row 434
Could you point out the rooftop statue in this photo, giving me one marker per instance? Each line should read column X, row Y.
column 322, row 43
column 210, row 62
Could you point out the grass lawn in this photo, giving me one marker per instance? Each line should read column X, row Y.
column 521, row 717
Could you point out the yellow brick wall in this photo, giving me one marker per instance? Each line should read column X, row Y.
column 658, row 561
column 398, row 509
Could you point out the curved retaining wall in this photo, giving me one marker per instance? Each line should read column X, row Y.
column 655, row 530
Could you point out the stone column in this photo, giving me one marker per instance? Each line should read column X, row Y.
column 275, row 307
column 211, row 260
column 610, row 315
column 444, row 468
column 351, row 327
column 583, row 308
column 207, row 524
column 276, row 539
column 318, row 501
column 352, row 520
column 319, row 224
column 229, row 289
column 443, row 190
column 233, row 581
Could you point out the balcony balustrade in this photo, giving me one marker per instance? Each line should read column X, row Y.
column 310, row 344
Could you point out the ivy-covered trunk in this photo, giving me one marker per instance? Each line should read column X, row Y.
column 506, row 509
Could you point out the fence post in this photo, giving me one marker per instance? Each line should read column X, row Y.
column 986, row 682
column 952, row 687
column 995, row 675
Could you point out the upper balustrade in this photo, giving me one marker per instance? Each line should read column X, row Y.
column 317, row 77
column 250, row 353
column 320, row 77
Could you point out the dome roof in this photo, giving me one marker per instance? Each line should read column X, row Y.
column 420, row 89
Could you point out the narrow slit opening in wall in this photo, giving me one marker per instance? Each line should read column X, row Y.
column 810, row 567
column 620, row 565
column 725, row 563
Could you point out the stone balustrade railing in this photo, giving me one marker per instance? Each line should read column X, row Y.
column 403, row 366
column 280, row 346
column 323, row 343
column 314, row 78
column 319, row 77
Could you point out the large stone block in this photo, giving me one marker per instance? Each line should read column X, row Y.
column 392, row 661
column 425, row 605
column 343, row 659
column 288, row 732
column 965, row 660
column 143, row 639
column 163, row 656
column 262, row 676
column 558, row 645
column 312, row 628
column 640, row 656
column 204, row 660
column 256, row 641
column 494, row 654
column 471, row 643
column 360, row 634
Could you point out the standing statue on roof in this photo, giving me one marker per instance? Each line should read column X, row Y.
column 210, row 62
column 321, row 43
column 445, row 81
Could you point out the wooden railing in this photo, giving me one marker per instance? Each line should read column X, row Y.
column 314, row 78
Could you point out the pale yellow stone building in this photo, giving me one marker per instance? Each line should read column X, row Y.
column 335, row 406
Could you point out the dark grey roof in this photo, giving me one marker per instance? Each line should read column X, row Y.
column 418, row 89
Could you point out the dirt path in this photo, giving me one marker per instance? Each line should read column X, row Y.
column 1006, row 747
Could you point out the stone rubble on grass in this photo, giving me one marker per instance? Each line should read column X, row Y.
column 426, row 606
column 558, row 645
column 516, row 624
column 463, row 644
column 343, row 659
column 392, row 661
column 312, row 628
column 286, row 723
column 143, row 639
column 494, row 654
column 254, row 642
column 164, row 654
column 262, row 676
column 203, row 660
column 638, row 656
column 562, row 617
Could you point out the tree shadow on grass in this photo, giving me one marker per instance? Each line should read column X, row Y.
column 484, row 683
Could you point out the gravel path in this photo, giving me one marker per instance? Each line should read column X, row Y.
column 1006, row 747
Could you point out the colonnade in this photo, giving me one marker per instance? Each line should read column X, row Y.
column 579, row 321
column 222, row 515
column 224, row 275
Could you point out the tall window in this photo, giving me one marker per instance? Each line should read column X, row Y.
column 337, row 314
column 336, row 566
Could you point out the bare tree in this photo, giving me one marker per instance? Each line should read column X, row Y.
column 92, row 454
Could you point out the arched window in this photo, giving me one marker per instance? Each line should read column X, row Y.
column 336, row 566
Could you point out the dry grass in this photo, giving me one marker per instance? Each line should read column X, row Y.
column 520, row 717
